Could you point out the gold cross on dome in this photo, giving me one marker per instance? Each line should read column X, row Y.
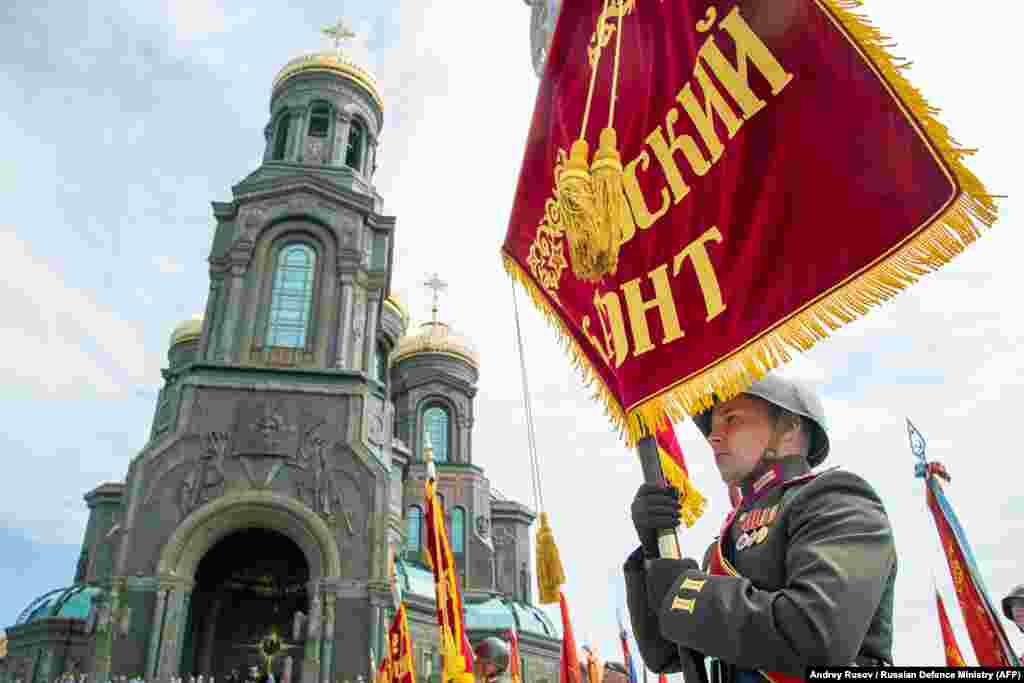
column 437, row 285
column 338, row 32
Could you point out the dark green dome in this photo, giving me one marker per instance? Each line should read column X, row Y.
column 495, row 613
column 66, row 603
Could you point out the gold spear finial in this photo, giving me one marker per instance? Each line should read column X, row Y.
column 428, row 454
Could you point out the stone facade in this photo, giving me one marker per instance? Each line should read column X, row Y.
column 309, row 448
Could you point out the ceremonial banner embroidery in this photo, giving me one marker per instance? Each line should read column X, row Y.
column 456, row 653
column 397, row 665
column 779, row 176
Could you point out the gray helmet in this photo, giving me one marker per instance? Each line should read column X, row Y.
column 1016, row 595
column 794, row 397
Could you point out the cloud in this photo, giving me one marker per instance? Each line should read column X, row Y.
column 77, row 346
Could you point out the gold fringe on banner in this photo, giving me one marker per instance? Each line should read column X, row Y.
column 550, row 574
column 691, row 501
column 946, row 236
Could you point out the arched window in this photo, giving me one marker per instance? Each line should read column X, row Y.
column 319, row 120
column 458, row 531
column 436, row 420
column 281, row 137
column 413, row 524
column 354, row 151
column 291, row 299
column 381, row 363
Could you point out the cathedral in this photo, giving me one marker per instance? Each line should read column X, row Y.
column 282, row 485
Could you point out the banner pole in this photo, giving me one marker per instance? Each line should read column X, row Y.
column 668, row 545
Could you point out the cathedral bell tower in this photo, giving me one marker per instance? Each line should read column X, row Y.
column 261, row 506
column 301, row 260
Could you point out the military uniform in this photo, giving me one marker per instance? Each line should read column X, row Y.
column 802, row 575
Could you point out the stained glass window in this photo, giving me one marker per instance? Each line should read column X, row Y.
column 354, row 151
column 291, row 299
column 281, row 139
column 413, row 522
column 458, row 531
column 436, row 420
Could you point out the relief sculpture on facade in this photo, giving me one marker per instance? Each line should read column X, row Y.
column 205, row 480
column 320, row 491
column 266, row 441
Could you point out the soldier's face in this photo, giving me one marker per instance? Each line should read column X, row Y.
column 741, row 428
column 1018, row 615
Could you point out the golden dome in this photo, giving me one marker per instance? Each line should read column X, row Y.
column 396, row 305
column 188, row 330
column 436, row 337
column 330, row 61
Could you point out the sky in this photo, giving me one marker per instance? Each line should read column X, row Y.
column 121, row 125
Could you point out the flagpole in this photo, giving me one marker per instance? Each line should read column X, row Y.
column 668, row 546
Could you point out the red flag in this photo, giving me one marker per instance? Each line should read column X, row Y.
column 734, row 136
column 456, row 652
column 570, row 665
column 515, row 672
column 662, row 678
column 953, row 656
column 397, row 665
column 673, row 466
column 984, row 629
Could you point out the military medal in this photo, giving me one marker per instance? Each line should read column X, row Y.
column 755, row 525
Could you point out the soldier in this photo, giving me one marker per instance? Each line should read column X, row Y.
column 803, row 571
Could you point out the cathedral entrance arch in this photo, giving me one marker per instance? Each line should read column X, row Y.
column 209, row 551
column 247, row 591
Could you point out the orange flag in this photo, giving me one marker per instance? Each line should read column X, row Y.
column 515, row 672
column 595, row 667
column 570, row 664
column 953, row 655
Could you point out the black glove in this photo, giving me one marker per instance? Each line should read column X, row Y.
column 662, row 574
column 654, row 507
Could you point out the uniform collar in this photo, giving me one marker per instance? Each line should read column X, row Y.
column 769, row 474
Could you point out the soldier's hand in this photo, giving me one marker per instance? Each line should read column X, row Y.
column 662, row 573
column 654, row 507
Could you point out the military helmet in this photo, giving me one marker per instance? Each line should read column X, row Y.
column 1015, row 596
column 790, row 395
column 492, row 653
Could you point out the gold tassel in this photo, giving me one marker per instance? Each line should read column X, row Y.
column 610, row 200
column 578, row 211
column 691, row 501
column 550, row 574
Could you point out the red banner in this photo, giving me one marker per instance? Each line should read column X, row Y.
column 397, row 666
column 977, row 619
column 779, row 177
column 949, row 645
column 569, row 666
column 456, row 653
